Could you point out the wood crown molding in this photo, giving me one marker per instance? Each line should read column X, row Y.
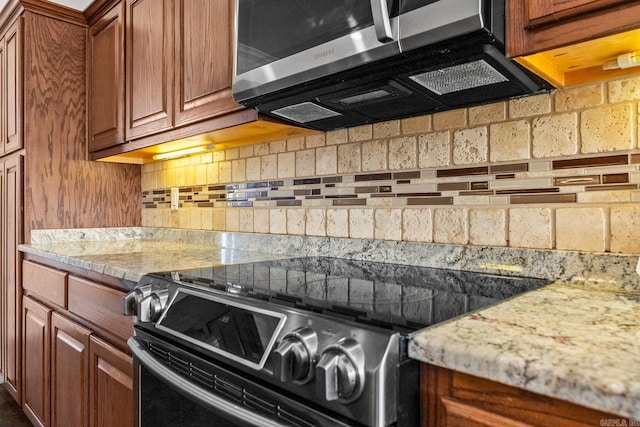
column 41, row 7
column 97, row 9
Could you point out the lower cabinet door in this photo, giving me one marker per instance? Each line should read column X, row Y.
column 110, row 385
column 36, row 320
column 69, row 372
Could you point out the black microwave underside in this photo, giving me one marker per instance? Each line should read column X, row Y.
column 462, row 72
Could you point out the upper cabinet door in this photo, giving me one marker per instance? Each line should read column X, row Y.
column 12, row 138
column 106, row 74
column 149, row 67
column 203, row 59
column 543, row 11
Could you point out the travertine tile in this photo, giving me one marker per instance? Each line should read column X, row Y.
column 403, row 153
column 200, row 172
column 450, row 119
column 624, row 90
column 337, row 222
column 261, row 220
column 286, row 165
column 470, row 146
column 555, row 136
column 451, row 225
column 238, row 170
column 206, row 219
column 213, row 176
column 296, row 221
column 295, row 144
column 625, row 229
column 232, row 220
column 253, row 169
column 581, row 229
column 306, row 163
column 335, row 137
column 327, row 160
column 361, row 223
column 316, row 140
column 316, row 222
column 607, row 129
column 231, row 154
column 486, row 114
column 225, row 172
column 261, row 149
column 417, row 225
column 219, row 219
column 374, row 155
column 388, row 224
column 269, row 167
column 529, row 106
column 386, row 129
column 413, row 125
column 488, row 227
column 604, row 197
column 218, row 156
column 531, row 228
column 349, row 158
column 276, row 147
column 434, row 149
column 196, row 218
column 579, row 97
column 360, row 133
column 246, row 220
column 278, row 221
column 244, row 152
column 510, row 141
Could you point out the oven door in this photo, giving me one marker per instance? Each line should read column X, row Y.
column 177, row 388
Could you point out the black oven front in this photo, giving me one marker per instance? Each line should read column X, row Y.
column 177, row 388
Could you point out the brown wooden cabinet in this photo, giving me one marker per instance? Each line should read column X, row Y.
column 11, row 224
column 534, row 26
column 69, row 372
column 12, row 88
column 203, row 59
column 149, row 67
column 36, row 363
column 452, row 399
column 179, row 63
column 105, row 62
column 567, row 42
column 75, row 372
column 110, row 385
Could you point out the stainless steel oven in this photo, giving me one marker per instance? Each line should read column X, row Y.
column 296, row 342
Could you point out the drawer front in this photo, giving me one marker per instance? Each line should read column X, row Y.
column 101, row 306
column 45, row 283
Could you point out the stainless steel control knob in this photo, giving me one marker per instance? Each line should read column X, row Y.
column 294, row 356
column 150, row 307
column 340, row 371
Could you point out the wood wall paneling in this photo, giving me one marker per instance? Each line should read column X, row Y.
column 63, row 189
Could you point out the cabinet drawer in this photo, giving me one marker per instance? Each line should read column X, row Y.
column 45, row 283
column 101, row 306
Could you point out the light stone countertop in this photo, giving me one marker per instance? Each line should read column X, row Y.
column 565, row 340
column 577, row 339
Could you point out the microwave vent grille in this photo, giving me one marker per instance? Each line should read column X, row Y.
column 459, row 77
column 305, row 112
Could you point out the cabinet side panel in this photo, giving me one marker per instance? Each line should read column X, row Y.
column 63, row 189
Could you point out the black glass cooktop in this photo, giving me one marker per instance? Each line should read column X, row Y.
column 399, row 297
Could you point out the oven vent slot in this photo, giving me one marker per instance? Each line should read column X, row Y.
column 222, row 386
column 296, row 420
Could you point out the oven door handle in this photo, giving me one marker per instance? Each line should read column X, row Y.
column 200, row 394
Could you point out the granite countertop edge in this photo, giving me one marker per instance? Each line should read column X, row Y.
column 563, row 341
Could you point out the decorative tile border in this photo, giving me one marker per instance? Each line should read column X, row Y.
column 522, row 183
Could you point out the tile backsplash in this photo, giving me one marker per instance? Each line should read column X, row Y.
column 551, row 171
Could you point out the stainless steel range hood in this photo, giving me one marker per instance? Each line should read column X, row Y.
column 388, row 59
